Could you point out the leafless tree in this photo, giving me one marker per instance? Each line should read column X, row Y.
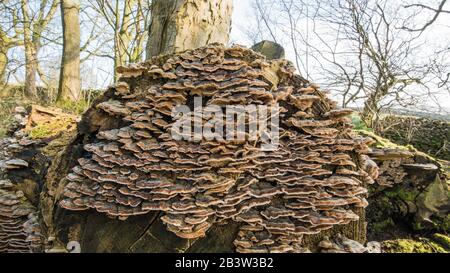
column 436, row 12
column 34, row 19
column 9, row 38
column 358, row 49
column 128, row 22
column 284, row 22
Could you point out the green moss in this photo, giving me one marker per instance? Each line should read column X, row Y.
column 403, row 194
column 379, row 227
column 421, row 245
column 50, row 129
column 2, row 132
column 418, row 226
column 379, row 141
column 60, row 143
column 442, row 224
column 442, row 239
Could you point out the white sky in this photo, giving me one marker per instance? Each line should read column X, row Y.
column 244, row 18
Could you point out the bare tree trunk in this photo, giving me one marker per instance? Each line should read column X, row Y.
column 122, row 34
column 178, row 25
column 116, row 39
column 34, row 24
column 3, row 63
column 3, row 55
column 69, row 80
column 30, row 53
column 30, row 69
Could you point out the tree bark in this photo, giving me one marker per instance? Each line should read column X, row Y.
column 69, row 80
column 179, row 25
column 122, row 34
column 3, row 63
column 5, row 45
column 30, row 69
column 125, row 32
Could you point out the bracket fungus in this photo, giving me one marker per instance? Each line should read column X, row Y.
column 313, row 180
column 24, row 157
column 19, row 227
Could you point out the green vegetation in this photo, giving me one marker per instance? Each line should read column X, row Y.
column 402, row 193
column 50, row 129
column 421, row 245
column 358, row 123
column 379, row 227
column 12, row 96
column 438, row 223
column 381, row 142
column 73, row 107
column 442, row 239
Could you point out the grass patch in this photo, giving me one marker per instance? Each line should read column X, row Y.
column 73, row 107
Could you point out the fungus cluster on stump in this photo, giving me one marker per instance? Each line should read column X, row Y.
column 133, row 166
column 19, row 227
column 23, row 165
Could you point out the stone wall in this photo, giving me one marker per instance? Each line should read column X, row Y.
column 427, row 135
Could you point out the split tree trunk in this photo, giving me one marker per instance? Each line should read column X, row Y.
column 69, row 81
column 179, row 25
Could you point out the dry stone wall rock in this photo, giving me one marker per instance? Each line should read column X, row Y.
column 431, row 136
